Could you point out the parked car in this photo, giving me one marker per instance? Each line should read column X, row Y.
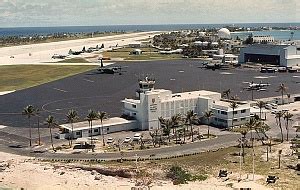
column 268, row 106
column 137, row 137
column 274, row 111
column 274, row 106
column 110, row 140
column 127, row 140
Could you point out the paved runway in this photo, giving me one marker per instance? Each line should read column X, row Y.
column 104, row 92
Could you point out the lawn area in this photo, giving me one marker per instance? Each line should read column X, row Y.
column 148, row 54
column 16, row 77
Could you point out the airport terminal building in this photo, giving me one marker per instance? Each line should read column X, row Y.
column 275, row 54
column 154, row 103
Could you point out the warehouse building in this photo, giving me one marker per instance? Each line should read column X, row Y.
column 275, row 54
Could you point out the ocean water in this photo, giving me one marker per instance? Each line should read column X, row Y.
column 277, row 34
column 30, row 31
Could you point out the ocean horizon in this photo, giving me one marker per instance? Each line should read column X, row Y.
column 30, row 31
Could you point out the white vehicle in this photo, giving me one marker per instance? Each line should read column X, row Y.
column 127, row 140
column 110, row 140
column 274, row 106
column 274, row 111
column 285, row 110
column 137, row 137
column 268, row 106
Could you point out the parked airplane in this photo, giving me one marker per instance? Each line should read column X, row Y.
column 256, row 86
column 57, row 56
column 71, row 52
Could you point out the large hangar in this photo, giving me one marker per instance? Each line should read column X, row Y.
column 281, row 55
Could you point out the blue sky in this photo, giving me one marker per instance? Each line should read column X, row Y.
column 110, row 12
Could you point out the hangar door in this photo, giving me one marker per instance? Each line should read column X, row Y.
column 261, row 58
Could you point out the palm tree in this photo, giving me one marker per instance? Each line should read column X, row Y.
column 278, row 116
column 102, row 115
column 190, row 118
column 37, row 114
column 243, row 132
column 29, row 111
column 288, row 117
column 92, row 115
column 51, row 122
column 233, row 105
column 251, row 125
column 72, row 116
column 282, row 89
column 176, row 119
column 261, row 105
column 226, row 93
column 208, row 115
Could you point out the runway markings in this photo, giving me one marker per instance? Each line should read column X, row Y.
column 181, row 71
column 264, row 77
column 88, row 80
column 59, row 90
column 226, row 73
column 296, row 76
column 172, row 79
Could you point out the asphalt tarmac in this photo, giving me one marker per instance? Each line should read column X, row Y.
column 104, row 92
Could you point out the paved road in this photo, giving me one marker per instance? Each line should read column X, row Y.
column 221, row 141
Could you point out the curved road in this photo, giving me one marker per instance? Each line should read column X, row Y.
column 196, row 147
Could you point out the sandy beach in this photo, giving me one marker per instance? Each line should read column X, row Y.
column 24, row 172
column 39, row 53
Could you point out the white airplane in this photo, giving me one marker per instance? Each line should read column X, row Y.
column 256, row 86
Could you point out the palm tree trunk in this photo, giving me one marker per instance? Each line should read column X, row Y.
column 72, row 134
column 38, row 125
column 192, row 133
column 260, row 113
column 280, row 130
column 103, row 141
column 92, row 135
column 287, row 129
column 282, row 97
column 251, row 136
column 51, row 138
column 184, row 134
column 207, row 128
column 30, row 143
column 232, row 118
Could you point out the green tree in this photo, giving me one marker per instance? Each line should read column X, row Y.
column 176, row 120
column 233, row 105
column 278, row 117
column 92, row 115
column 287, row 117
column 282, row 89
column 102, row 115
column 260, row 105
column 208, row 115
column 190, row 118
column 251, row 125
column 29, row 111
column 72, row 116
column 51, row 122
column 226, row 93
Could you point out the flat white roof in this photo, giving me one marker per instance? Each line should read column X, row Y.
column 223, row 105
column 293, row 57
column 96, row 123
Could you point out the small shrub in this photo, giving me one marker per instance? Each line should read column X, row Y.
column 178, row 175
